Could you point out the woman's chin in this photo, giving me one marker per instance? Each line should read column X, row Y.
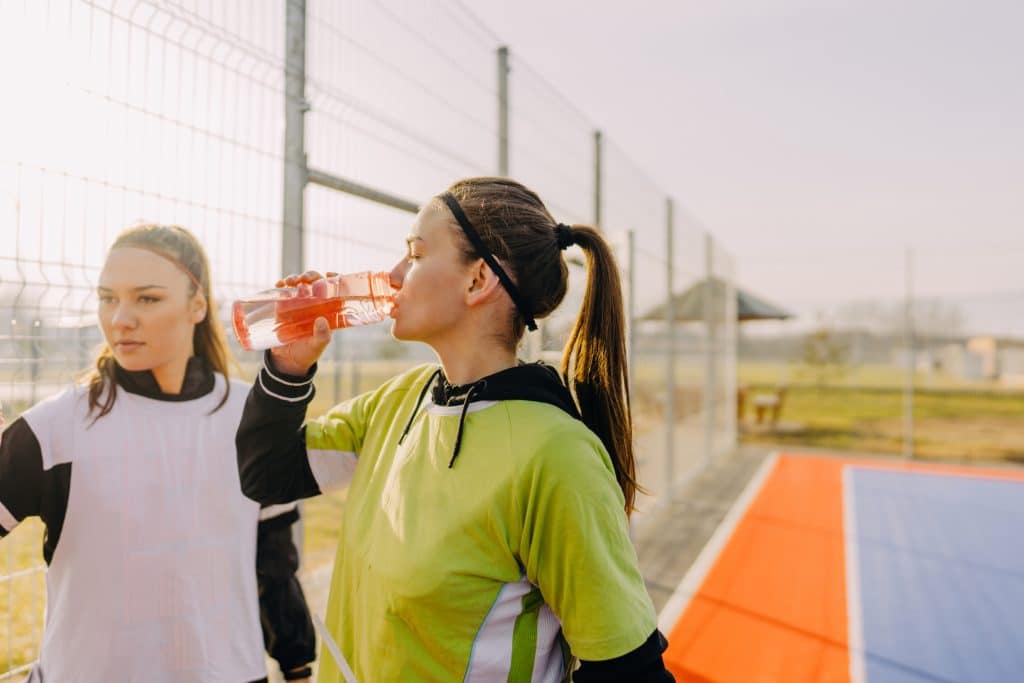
column 396, row 331
column 402, row 332
column 131, row 364
column 134, row 357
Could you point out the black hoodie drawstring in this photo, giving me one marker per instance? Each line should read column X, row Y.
column 478, row 386
column 525, row 382
column 416, row 408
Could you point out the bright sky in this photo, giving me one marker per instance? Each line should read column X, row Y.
column 818, row 139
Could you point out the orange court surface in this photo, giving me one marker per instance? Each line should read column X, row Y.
column 847, row 570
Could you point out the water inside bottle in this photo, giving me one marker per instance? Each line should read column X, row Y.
column 280, row 316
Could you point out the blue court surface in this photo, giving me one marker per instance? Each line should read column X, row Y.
column 940, row 565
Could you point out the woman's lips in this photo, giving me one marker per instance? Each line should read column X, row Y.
column 127, row 346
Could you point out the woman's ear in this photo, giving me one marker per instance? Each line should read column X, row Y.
column 198, row 308
column 483, row 285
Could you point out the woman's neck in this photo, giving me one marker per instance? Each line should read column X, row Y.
column 171, row 377
column 465, row 363
column 197, row 380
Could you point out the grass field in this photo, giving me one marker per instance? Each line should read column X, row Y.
column 23, row 596
column 863, row 411
column 878, row 376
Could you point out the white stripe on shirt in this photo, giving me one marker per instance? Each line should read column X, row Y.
column 331, row 469
column 272, row 511
column 435, row 409
column 490, row 656
column 7, row 520
column 288, row 399
column 284, row 381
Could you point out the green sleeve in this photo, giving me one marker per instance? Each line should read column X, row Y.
column 345, row 426
column 575, row 546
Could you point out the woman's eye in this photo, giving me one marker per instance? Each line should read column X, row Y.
column 148, row 299
column 106, row 299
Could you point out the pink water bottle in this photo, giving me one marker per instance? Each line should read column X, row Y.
column 278, row 316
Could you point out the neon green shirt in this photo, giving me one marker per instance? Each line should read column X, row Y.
column 483, row 571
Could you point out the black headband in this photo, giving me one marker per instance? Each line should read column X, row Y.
column 483, row 252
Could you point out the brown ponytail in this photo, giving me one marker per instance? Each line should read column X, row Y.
column 517, row 228
column 179, row 246
column 594, row 363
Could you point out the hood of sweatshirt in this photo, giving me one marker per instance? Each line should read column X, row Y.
column 524, row 382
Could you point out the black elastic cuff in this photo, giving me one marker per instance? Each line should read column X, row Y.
column 284, row 387
column 268, row 361
column 297, row 674
column 642, row 665
column 282, row 520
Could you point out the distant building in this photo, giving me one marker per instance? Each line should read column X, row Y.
column 986, row 349
column 1011, row 366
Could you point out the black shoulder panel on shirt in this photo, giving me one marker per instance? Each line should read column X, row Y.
column 21, row 470
column 26, row 489
column 288, row 633
column 273, row 465
column 56, row 488
column 642, row 665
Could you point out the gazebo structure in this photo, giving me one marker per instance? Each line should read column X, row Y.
column 689, row 305
column 703, row 302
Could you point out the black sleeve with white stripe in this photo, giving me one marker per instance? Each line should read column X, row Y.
column 26, row 489
column 21, row 475
column 271, row 443
column 288, row 634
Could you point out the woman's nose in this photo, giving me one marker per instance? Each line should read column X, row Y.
column 398, row 274
column 122, row 317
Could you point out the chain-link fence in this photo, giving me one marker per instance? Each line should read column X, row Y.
column 288, row 135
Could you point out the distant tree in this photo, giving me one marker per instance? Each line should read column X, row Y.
column 871, row 316
column 931, row 318
column 825, row 357
column 935, row 318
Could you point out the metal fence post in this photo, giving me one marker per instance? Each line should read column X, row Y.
column 911, row 360
column 35, row 340
column 337, row 358
column 709, row 350
column 670, row 352
column 533, row 343
column 295, row 108
column 503, row 111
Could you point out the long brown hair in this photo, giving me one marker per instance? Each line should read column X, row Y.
column 179, row 246
column 519, row 230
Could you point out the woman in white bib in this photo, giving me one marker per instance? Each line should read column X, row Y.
column 151, row 546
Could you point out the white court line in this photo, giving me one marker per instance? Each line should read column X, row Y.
column 7, row 520
column 688, row 587
column 855, row 623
